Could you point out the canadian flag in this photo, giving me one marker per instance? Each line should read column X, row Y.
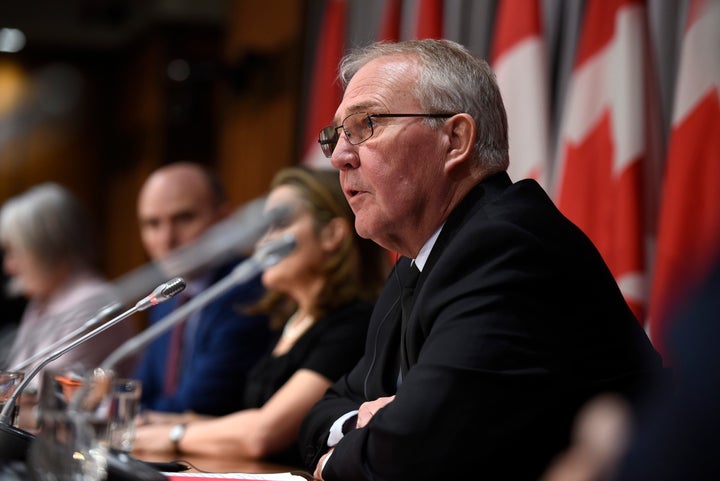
column 689, row 227
column 326, row 91
column 519, row 59
column 429, row 19
column 391, row 20
column 603, row 140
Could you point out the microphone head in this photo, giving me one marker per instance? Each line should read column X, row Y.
column 173, row 287
column 271, row 252
column 162, row 293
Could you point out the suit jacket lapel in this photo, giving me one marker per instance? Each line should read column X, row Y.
column 486, row 191
column 409, row 279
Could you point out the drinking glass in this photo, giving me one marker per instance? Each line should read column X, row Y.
column 9, row 381
column 125, row 405
column 73, row 421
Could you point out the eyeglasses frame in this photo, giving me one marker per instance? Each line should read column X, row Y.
column 330, row 144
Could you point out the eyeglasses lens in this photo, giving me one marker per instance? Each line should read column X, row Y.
column 328, row 140
column 357, row 127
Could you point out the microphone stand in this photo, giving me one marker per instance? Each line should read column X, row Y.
column 14, row 441
column 265, row 256
column 103, row 314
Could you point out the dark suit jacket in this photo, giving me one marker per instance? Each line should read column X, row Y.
column 516, row 322
column 228, row 343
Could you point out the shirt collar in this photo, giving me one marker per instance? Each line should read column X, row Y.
column 424, row 253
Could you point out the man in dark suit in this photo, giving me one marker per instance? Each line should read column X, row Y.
column 514, row 320
column 200, row 365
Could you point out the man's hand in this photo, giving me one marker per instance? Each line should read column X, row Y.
column 368, row 409
column 318, row 469
column 365, row 413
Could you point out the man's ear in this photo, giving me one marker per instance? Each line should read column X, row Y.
column 462, row 131
column 333, row 234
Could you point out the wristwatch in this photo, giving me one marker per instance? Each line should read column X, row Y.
column 176, row 434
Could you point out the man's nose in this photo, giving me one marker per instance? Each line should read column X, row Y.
column 344, row 155
column 168, row 238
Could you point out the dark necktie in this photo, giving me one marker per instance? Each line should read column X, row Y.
column 406, row 302
column 408, row 292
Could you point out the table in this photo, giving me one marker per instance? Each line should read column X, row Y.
column 218, row 464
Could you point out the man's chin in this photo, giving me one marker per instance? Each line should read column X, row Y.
column 371, row 230
column 362, row 229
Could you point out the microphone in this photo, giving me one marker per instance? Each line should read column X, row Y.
column 161, row 294
column 266, row 255
column 236, row 235
column 102, row 315
column 270, row 253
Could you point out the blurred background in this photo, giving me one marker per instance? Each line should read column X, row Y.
column 104, row 91
column 95, row 94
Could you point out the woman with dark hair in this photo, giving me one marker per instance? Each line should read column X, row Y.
column 323, row 294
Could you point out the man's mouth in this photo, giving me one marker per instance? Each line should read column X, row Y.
column 350, row 192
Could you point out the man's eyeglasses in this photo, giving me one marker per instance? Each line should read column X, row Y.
column 359, row 127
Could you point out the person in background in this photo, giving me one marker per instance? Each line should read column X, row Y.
column 500, row 320
column 12, row 308
column 322, row 294
column 677, row 433
column 50, row 258
column 199, row 366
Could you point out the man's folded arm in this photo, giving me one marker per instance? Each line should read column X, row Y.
column 336, row 406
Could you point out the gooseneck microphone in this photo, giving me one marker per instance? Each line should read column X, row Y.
column 266, row 255
column 107, row 312
column 161, row 294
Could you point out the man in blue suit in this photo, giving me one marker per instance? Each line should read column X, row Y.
column 199, row 366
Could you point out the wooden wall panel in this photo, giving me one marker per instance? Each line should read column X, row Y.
column 259, row 119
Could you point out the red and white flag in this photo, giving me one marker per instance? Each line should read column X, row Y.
column 429, row 19
column 391, row 21
column 689, row 227
column 325, row 89
column 603, row 140
column 519, row 59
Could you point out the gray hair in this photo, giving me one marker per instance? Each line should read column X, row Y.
column 50, row 224
column 451, row 80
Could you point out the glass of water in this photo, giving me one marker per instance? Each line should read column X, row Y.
column 74, row 410
column 125, row 405
column 9, row 381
